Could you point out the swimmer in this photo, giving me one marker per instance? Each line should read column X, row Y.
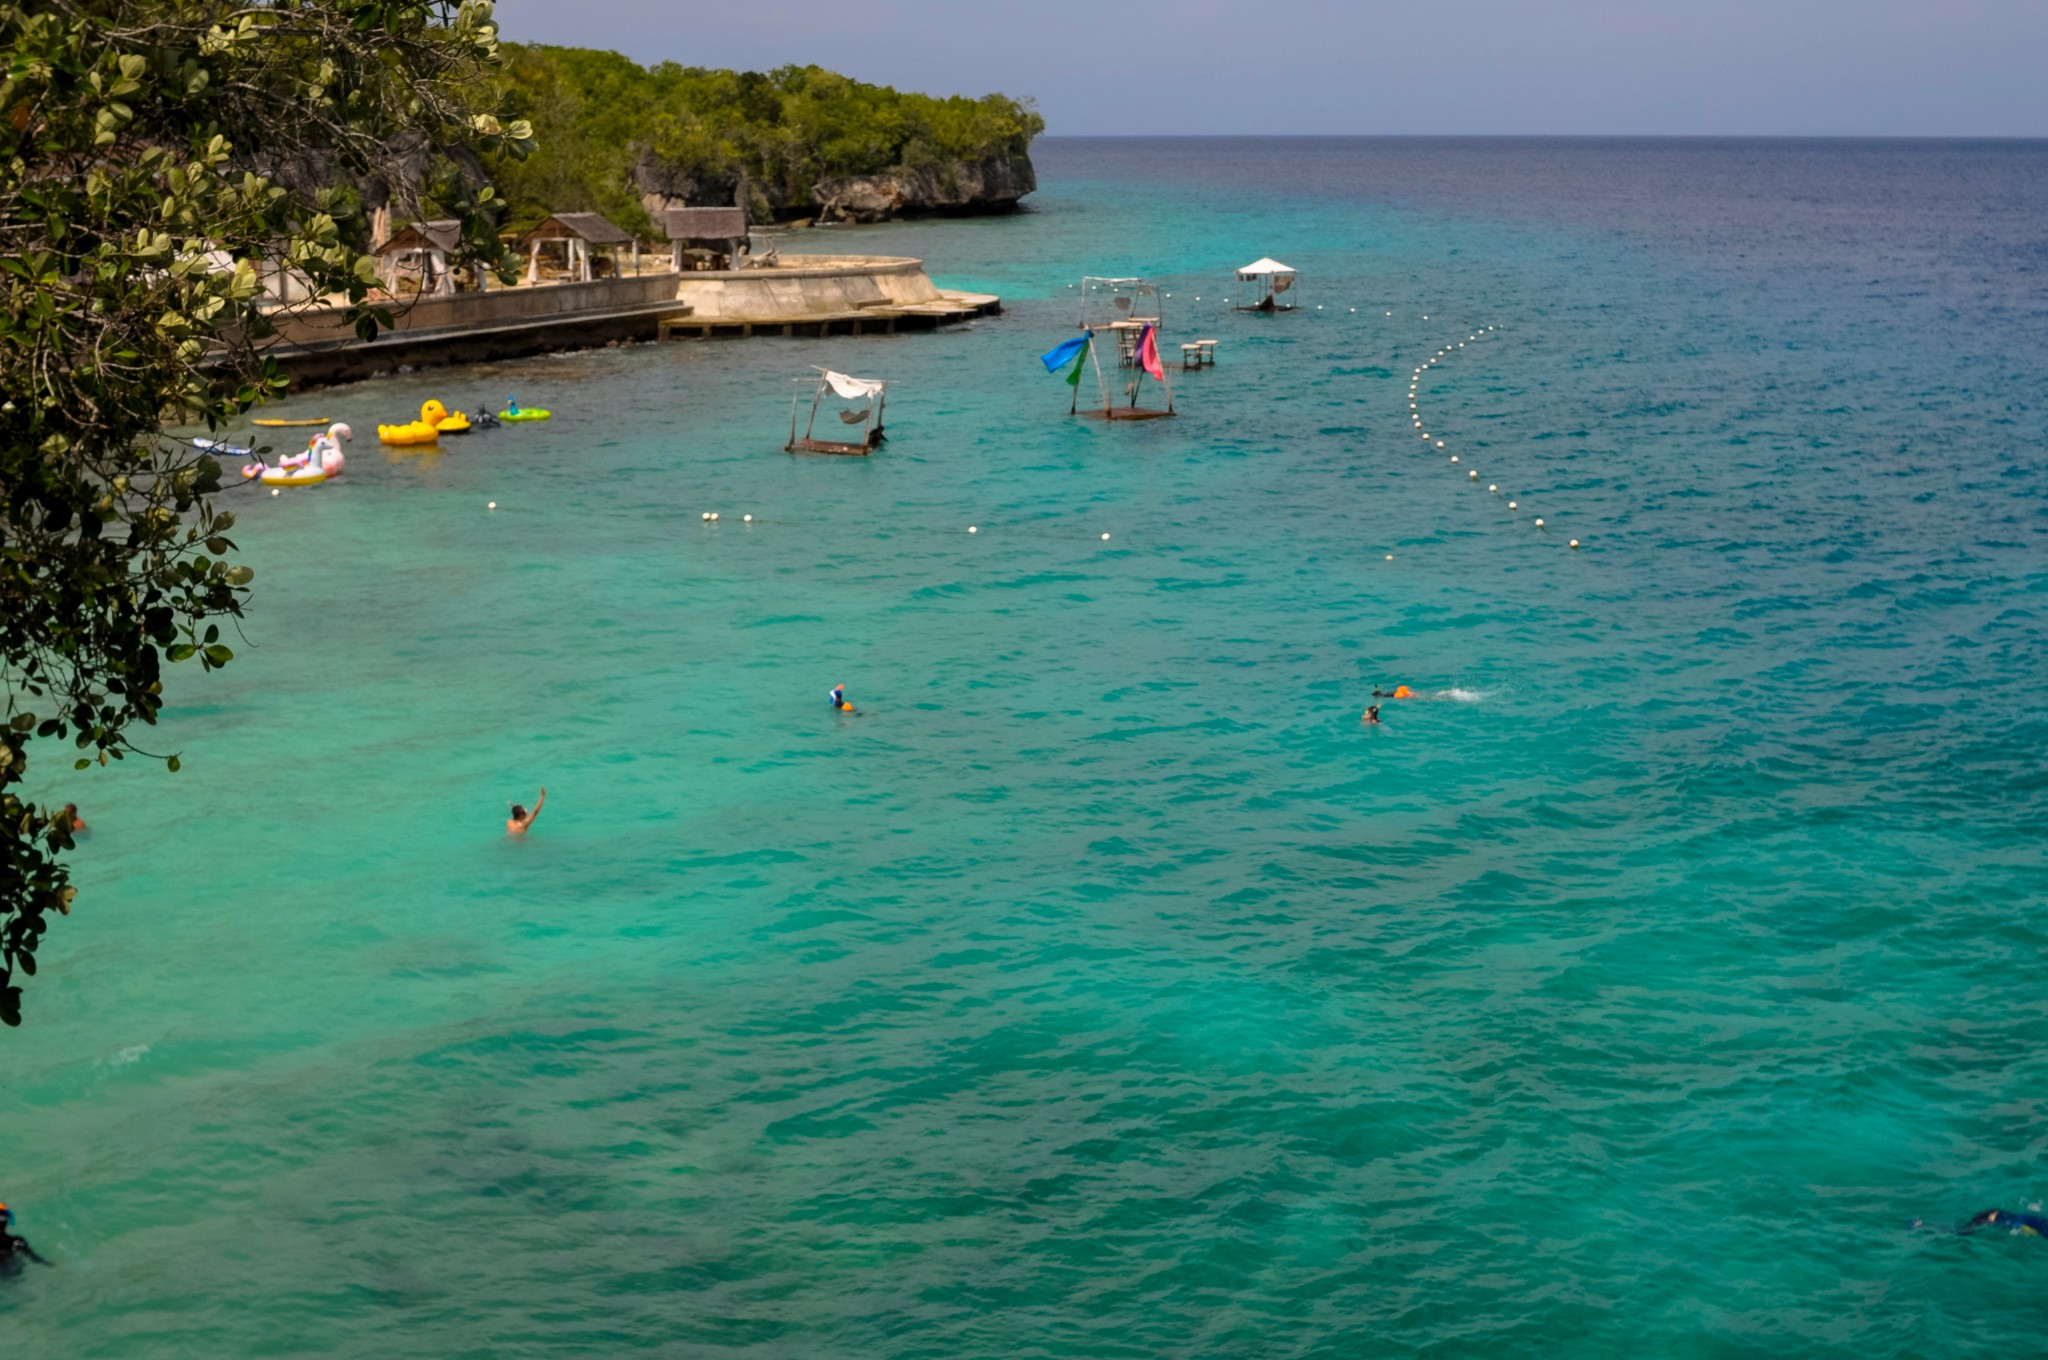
column 838, row 699
column 70, row 813
column 516, row 824
column 1398, row 692
column 15, row 1250
column 2028, row 1225
column 1372, row 714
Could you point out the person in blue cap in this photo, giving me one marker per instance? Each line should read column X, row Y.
column 15, row 1252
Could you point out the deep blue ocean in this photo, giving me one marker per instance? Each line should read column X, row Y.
column 1106, row 987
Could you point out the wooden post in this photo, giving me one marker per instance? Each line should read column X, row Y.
column 1101, row 383
column 533, row 262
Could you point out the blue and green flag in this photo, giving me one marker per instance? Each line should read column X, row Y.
column 1075, row 350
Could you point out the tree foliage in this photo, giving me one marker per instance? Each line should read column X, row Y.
column 598, row 116
column 156, row 156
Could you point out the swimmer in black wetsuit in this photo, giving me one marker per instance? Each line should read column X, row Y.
column 15, row 1251
column 2031, row 1225
column 2005, row 1220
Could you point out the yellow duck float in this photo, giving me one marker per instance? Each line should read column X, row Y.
column 435, row 420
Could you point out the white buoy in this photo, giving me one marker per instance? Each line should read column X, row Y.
column 491, row 505
column 1494, row 489
column 1389, row 313
column 1539, row 524
column 1575, row 543
column 1105, row 538
column 704, row 515
column 1511, row 505
column 714, row 517
column 1440, row 444
column 273, row 491
column 746, row 519
column 972, row 529
column 1390, row 556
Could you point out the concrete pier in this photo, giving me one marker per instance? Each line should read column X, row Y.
column 820, row 295
column 799, row 295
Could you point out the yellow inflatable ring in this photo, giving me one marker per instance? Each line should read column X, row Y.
column 296, row 477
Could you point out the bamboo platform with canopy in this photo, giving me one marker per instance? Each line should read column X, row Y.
column 870, row 391
column 1130, row 312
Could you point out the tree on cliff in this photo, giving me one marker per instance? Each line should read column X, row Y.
column 613, row 132
column 155, row 156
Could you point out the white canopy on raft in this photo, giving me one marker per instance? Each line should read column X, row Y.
column 852, row 389
column 1269, row 265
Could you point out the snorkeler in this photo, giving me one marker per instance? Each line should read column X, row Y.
column 838, row 699
column 1398, row 692
column 2030, row 1225
column 516, row 824
column 1372, row 714
column 70, row 814
column 15, row 1250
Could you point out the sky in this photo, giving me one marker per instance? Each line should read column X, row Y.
column 1602, row 67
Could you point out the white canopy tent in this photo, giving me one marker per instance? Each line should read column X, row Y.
column 1264, row 281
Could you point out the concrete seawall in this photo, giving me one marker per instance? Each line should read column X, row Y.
column 818, row 294
column 497, row 307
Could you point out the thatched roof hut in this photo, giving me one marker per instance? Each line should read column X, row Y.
column 425, row 246
column 577, row 233
column 725, row 228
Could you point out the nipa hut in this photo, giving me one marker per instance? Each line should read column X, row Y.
column 578, row 233
column 716, row 237
column 421, row 250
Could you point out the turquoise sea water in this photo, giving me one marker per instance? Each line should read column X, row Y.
column 1106, row 988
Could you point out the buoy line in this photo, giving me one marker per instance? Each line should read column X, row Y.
column 708, row 518
column 1420, row 425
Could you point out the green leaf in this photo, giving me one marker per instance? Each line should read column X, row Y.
column 172, row 765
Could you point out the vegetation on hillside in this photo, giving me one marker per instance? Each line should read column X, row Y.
column 609, row 129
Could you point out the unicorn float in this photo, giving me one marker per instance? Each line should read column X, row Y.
column 322, row 460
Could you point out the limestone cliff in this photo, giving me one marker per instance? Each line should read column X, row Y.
column 990, row 186
column 993, row 185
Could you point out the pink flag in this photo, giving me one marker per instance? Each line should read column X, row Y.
column 1148, row 354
